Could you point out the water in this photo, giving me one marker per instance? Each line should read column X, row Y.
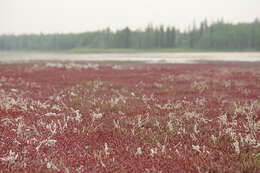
column 25, row 57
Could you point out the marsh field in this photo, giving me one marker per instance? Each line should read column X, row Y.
column 154, row 113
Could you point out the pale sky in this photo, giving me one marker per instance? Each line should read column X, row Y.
column 59, row 16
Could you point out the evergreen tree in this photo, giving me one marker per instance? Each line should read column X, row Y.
column 219, row 35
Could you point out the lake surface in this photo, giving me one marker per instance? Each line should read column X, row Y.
column 25, row 57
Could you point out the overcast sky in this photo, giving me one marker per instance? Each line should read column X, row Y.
column 52, row 16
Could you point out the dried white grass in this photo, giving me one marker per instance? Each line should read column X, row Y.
column 138, row 151
column 196, row 148
column 11, row 157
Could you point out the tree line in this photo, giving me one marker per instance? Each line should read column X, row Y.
column 219, row 35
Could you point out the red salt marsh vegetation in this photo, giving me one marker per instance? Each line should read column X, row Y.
column 154, row 118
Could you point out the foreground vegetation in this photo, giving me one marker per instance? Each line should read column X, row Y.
column 78, row 117
column 219, row 36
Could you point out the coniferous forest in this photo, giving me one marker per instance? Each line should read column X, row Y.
column 219, row 35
